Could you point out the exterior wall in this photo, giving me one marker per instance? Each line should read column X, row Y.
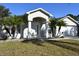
column 31, row 32
column 69, row 22
column 69, row 30
column 37, row 14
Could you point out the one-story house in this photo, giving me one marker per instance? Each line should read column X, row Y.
column 38, row 25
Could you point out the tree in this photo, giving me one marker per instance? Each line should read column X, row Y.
column 73, row 16
column 6, row 22
column 52, row 24
column 15, row 21
column 56, row 22
column 25, row 18
column 4, row 12
column 60, row 23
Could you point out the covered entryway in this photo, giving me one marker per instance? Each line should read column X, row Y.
column 39, row 25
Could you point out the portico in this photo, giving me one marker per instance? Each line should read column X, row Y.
column 38, row 24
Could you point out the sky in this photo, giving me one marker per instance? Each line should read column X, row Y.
column 56, row 9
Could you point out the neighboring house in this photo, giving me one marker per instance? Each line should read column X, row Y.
column 71, row 29
column 38, row 27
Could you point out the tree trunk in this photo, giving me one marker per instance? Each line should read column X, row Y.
column 59, row 30
column 53, row 31
column 13, row 31
column 21, row 32
column 78, row 30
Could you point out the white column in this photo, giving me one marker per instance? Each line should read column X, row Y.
column 29, row 29
column 47, row 35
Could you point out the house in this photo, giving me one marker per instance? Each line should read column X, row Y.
column 71, row 29
column 38, row 27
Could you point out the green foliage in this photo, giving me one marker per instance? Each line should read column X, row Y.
column 73, row 16
column 6, row 21
column 61, row 23
column 56, row 22
column 25, row 18
column 53, row 22
column 12, row 20
column 15, row 20
column 4, row 12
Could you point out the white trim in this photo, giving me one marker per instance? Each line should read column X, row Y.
column 39, row 9
column 71, row 18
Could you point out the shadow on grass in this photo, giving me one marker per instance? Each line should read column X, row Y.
column 34, row 41
column 65, row 45
column 76, row 44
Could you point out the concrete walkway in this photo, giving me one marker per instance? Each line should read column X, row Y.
column 11, row 40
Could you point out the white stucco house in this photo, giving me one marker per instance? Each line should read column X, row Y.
column 38, row 27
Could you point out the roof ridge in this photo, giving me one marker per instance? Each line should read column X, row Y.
column 72, row 19
column 39, row 9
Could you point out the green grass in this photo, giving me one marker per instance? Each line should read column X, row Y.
column 47, row 48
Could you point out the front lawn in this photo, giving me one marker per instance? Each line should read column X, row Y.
column 50, row 47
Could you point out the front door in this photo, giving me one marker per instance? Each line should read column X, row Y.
column 38, row 30
column 39, row 26
column 41, row 30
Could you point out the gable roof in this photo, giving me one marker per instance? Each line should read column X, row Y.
column 42, row 10
column 72, row 19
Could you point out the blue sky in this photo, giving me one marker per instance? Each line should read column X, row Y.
column 57, row 9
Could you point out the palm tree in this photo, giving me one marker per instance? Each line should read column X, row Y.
column 25, row 18
column 52, row 24
column 6, row 22
column 56, row 22
column 4, row 12
column 15, row 21
column 60, row 23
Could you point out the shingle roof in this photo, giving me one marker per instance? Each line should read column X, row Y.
column 72, row 19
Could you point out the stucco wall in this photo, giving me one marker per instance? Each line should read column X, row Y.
column 69, row 22
column 32, row 26
column 37, row 14
column 69, row 30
